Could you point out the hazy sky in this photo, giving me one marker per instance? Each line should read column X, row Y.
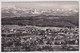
column 43, row 5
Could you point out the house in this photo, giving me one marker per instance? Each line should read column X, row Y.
column 13, row 30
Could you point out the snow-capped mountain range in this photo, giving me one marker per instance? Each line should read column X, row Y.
column 17, row 12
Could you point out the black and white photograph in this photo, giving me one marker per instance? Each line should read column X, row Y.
column 39, row 26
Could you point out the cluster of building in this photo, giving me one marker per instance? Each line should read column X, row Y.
column 34, row 39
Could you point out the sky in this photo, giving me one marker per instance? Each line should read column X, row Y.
column 42, row 4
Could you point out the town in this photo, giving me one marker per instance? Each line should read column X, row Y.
column 26, row 38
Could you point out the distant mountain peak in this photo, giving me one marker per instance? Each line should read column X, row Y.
column 26, row 11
